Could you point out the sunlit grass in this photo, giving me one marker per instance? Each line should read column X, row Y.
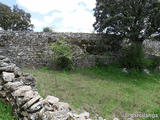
column 106, row 91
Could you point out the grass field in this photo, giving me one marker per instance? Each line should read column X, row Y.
column 106, row 91
column 6, row 112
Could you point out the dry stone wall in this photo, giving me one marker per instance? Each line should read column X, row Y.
column 19, row 89
column 32, row 48
column 152, row 47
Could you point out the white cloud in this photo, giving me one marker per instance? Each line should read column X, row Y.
column 80, row 20
column 48, row 19
column 46, row 6
column 90, row 3
column 38, row 24
column 77, row 21
column 75, row 17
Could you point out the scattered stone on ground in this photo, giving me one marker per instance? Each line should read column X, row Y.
column 125, row 70
column 146, row 71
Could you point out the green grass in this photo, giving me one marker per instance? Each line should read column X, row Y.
column 106, row 91
column 6, row 112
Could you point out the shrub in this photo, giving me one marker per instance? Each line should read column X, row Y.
column 64, row 63
column 62, row 54
column 47, row 29
column 147, row 63
column 156, row 62
column 133, row 57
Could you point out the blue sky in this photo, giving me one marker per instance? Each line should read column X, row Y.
column 61, row 15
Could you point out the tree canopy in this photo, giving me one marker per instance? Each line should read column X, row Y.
column 47, row 29
column 133, row 19
column 14, row 19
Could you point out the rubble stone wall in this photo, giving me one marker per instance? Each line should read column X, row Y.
column 19, row 89
column 32, row 48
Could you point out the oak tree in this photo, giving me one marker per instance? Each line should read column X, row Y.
column 15, row 19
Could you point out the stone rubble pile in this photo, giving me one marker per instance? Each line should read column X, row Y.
column 19, row 89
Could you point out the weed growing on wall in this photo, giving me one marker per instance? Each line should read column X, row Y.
column 62, row 54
